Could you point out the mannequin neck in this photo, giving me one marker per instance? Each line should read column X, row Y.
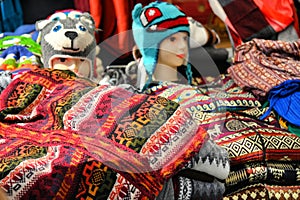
column 165, row 73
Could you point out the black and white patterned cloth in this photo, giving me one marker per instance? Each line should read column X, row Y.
column 120, row 74
column 5, row 79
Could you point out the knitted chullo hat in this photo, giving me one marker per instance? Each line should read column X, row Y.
column 68, row 34
column 151, row 25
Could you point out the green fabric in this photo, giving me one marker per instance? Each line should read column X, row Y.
column 29, row 43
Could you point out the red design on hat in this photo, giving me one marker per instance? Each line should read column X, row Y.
column 149, row 15
column 168, row 24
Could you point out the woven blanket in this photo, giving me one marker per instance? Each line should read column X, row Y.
column 71, row 139
column 209, row 101
column 250, row 140
column 216, row 95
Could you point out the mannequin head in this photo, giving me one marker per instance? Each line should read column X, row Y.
column 155, row 29
column 172, row 53
column 173, row 50
column 79, row 66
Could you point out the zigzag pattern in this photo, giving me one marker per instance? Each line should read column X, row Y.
column 264, row 191
column 26, row 173
column 14, row 158
column 153, row 122
column 212, row 160
column 254, row 143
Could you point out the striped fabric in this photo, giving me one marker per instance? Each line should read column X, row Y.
column 259, row 65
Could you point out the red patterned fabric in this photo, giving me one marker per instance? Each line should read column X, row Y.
column 133, row 135
column 259, row 65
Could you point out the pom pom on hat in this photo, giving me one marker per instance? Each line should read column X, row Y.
column 201, row 35
column 151, row 25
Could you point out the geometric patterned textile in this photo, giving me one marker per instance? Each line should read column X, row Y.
column 247, row 140
column 259, row 153
column 265, row 191
column 92, row 141
column 208, row 103
column 189, row 189
column 218, row 95
column 272, row 173
column 260, row 65
column 212, row 160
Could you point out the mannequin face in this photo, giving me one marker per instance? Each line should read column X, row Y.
column 174, row 50
column 79, row 66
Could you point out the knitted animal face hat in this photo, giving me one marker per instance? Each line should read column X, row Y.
column 68, row 34
column 151, row 25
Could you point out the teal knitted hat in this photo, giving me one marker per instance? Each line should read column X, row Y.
column 151, row 25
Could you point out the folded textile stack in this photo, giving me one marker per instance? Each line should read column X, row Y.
column 270, row 69
column 207, row 104
column 264, row 160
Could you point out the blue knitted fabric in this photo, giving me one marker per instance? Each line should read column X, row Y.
column 285, row 100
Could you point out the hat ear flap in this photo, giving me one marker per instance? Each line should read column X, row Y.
column 137, row 10
column 87, row 18
column 39, row 25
